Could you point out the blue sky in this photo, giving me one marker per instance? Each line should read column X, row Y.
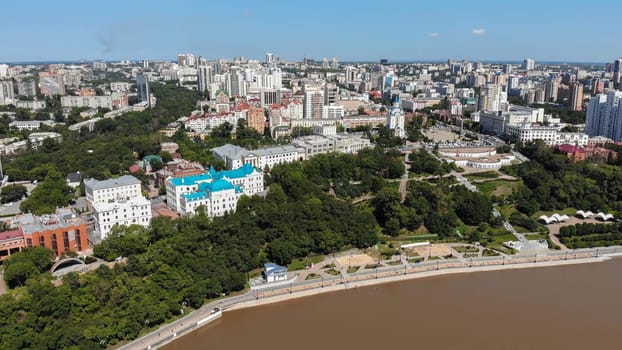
column 402, row 30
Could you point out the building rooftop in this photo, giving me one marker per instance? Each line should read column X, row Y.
column 64, row 217
column 9, row 235
column 74, row 177
column 125, row 180
column 191, row 180
column 273, row 268
column 136, row 201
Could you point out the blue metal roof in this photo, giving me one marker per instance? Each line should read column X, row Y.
column 238, row 173
column 212, row 174
column 273, row 268
column 191, row 180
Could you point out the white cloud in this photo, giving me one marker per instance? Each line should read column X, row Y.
column 478, row 31
column 434, row 35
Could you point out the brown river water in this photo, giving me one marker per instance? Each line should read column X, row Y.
column 565, row 307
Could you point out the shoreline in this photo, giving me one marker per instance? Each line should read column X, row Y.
column 407, row 277
column 313, row 287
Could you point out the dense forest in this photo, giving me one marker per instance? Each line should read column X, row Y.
column 551, row 182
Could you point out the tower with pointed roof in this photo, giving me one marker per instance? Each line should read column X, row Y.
column 395, row 119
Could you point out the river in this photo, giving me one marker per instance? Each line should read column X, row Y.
column 565, row 307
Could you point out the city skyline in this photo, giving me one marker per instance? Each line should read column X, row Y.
column 363, row 32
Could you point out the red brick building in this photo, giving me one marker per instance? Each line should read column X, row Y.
column 11, row 242
column 62, row 231
column 572, row 152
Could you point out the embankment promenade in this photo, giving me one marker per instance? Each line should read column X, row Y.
column 366, row 277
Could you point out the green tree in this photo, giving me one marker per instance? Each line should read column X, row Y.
column 12, row 193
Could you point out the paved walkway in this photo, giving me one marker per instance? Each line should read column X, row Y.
column 2, row 285
column 404, row 180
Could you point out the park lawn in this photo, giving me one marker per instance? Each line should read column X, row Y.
column 312, row 276
column 504, row 238
column 497, row 187
column 520, row 229
column 536, row 236
column 302, row 263
column 507, row 210
column 497, row 243
column 353, row 269
column 482, row 176
column 568, row 211
column 466, row 249
column 414, row 238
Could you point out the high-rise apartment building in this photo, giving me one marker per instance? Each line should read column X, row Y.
column 142, row 88
column 528, row 64
column 256, row 119
column 576, row 97
column 331, row 91
column 204, row 78
column 27, row 88
column 6, row 92
column 313, row 101
column 552, row 85
column 491, row 98
column 604, row 116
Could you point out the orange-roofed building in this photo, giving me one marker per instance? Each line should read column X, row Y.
column 11, row 242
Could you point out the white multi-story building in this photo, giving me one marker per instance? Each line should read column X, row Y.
column 530, row 132
column 193, row 189
column 25, row 124
column 217, row 198
column 117, row 202
column 120, row 86
column 86, row 101
column 33, row 105
column 495, row 122
column 207, row 123
column 343, row 143
column 266, row 157
column 332, row 112
column 36, row 138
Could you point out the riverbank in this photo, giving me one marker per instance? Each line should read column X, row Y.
column 170, row 332
column 405, row 277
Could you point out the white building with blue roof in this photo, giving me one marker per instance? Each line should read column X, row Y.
column 217, row 191
column 274, row 273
